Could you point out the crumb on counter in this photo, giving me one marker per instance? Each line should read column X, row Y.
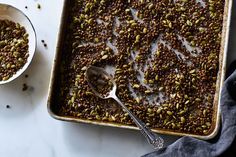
column 25, row 87
column 38, row 6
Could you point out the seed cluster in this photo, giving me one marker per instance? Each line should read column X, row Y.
column 166, row 59
column 13, row 48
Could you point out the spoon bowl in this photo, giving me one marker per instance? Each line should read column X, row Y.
column 97, row 71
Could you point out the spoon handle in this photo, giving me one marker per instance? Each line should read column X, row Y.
column 152, row 138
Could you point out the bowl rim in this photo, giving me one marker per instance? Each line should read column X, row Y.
column 21, row 71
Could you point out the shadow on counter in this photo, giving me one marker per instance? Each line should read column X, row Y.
column 107, row 141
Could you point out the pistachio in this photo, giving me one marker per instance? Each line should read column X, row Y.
column 182, row 8
column 173, row 125
column 201, row 29
column 5, row 78
column 204, row 112
column 96, row 40
column 72, row 99
column 177, row 83
column 161, row 89
column 105, row 57
column 150, row 6
column 84, row 68
column 147, row 91
column 2, row 43
column 204, row 126
column 137, row 38
column 193, row 43
column 197, row 21
column 151, row 81
column 137, row 100
column 192, row 71
column 126, row 114
column 165, row 121
column 8, row 65
column 158, row 53
column 205, row 132
column 182, row 119
column 127, row 10
column 150, row 110
column 177, row 106
column 159, row 110
column 16, row 54
column 173, row 96
column 198, row 99
column 113, row 118
column 208, row 124
column 181, row 112
column 103, row 53
column 148, row 124
column 156, row 77
column 134, row 24
column 136, row 86
column 145, row 81
column 170, row 24
column 88, row 93
column 189, row 23
column 165, row 105
column 186, row 102
column 169, row 113
column 145, row 30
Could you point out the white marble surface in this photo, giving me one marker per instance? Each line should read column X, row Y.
column 27, row 130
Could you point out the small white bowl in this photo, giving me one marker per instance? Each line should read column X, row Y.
column 11, row 13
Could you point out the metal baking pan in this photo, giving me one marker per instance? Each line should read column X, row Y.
column 53, row 106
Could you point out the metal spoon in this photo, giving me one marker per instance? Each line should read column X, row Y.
column 155, row 140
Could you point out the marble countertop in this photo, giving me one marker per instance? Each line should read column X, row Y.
column 26, row 128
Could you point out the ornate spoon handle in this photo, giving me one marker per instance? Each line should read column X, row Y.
column 152, row 138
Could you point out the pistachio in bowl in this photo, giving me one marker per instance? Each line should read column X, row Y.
column 17, row 43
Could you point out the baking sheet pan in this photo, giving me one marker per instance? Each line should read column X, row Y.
column 55, row 79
